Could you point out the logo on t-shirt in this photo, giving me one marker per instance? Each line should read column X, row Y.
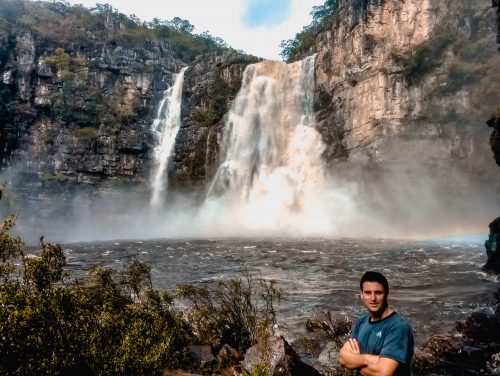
column 379, row 334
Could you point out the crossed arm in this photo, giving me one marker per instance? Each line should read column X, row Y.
column 369, row 365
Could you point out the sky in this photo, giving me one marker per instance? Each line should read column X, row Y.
column 254, row 26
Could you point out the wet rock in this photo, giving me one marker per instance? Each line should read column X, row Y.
column 337, row 328
column 493, row 366
column 492, row 246
column 470, row 349
column 201, row 354
column 229, row 354
column 291, row 366
column 266, row 355
column 329, row 357
column 210, row 85
column 319, row 321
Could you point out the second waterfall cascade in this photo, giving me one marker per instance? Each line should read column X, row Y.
column 271, row 177
column 165, row 128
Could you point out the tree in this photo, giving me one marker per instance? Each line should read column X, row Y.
column 181, row 25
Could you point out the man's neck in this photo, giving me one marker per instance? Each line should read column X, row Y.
column 382, row 314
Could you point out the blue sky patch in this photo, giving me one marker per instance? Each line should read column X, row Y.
column 266, row 12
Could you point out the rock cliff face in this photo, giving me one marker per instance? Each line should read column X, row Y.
column 492, row 244
column 79, row 112
column 210, row 85
column 386, row 89
column 49, row 149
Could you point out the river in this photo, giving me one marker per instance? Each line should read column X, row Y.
column 432, row 283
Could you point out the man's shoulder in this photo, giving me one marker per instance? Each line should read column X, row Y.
column 399, row 320
column 364, row 317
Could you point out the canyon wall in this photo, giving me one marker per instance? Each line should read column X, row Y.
column 399, row 80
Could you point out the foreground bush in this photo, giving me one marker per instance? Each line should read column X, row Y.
column 112, row 324
column 238, row 312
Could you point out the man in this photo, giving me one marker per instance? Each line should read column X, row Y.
column 381, row 341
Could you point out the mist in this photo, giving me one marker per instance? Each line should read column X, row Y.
column 405, row 202
column 272, row 181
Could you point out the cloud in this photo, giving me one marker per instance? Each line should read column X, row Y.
column 266, row 12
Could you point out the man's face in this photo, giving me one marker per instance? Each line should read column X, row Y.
column 374, row 297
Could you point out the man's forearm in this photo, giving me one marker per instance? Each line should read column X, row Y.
column 356, row 361
column 367, row 364
column 377, row 366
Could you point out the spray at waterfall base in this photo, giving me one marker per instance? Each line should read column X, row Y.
column 273, row 181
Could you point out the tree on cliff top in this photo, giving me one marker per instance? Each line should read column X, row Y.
column 303, row 42
column 64, row 24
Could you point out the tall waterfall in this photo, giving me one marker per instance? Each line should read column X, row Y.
column 272, row 175
column 165, row 128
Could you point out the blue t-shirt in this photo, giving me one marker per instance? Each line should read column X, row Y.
column 390, row 337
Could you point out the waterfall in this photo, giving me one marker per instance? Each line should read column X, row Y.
column 165, row 128
column 272, row 173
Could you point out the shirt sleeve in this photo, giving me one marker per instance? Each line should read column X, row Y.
column 397, row 344
column 355, row 329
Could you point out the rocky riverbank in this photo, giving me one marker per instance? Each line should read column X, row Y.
column 471, row 348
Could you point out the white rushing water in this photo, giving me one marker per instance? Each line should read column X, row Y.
column 165, row 128
column 272, row 174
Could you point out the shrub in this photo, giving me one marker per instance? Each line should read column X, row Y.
column 304, row 42
column 113, row 323
column 463, row 73
column 217, row 105
column 87, row 133
column 237, row 312
column 53, row 327
column 417, row 61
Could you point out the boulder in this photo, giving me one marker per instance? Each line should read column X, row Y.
column 291, row 366
column 493, row 365
column 201, row 354
column 336, row 328
column 329, row 357
column 492, row 246
column 267, row 354
column 319, row 321
column 229, row 354
column 470, row 349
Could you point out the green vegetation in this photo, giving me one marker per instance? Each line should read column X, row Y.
column 87, row 133
column 467, row 40
column 8, row 136
column 114, row 322
column 304, row 42
column 236, row 312
column 65, row 24
column 64, row 30
column 217, row 106
column 77, row 101
column 425, row 57
column 462, row 58
column 49, row 177
column 53, row 327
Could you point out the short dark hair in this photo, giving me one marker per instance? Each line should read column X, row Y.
column 374, row 277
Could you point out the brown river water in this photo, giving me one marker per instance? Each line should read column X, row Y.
column 433, row 283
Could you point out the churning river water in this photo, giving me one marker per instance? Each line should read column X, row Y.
column 432, row 283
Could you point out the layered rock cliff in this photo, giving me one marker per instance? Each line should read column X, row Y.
column 78, row 103
column 398, row 77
